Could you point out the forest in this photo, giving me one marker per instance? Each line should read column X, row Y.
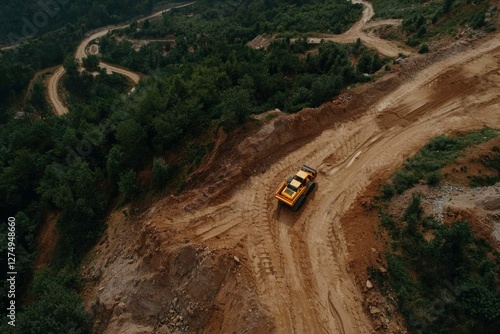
column 31, row 18
column 80, row 166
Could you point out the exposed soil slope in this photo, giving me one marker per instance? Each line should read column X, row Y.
column 294, row 265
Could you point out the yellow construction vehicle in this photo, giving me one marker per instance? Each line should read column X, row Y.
column 294, row 190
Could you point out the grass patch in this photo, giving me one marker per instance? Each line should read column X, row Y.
column 442, row 150
column 490, row 161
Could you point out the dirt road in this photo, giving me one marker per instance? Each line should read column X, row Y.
column 53, row 81
column 383, row 46
column 358, row 30
column 53, row 93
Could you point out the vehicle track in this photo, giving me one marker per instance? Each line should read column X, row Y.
column 296, row 263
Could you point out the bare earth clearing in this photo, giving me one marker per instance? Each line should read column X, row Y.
column 173, row 266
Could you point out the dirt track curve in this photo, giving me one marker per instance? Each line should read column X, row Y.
column 299, row 259
column 53, row 93
column 383, row 46
column 53, row 82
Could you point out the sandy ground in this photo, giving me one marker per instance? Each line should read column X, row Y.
column 296, row 268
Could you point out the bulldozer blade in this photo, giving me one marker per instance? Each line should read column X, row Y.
column 306, row 168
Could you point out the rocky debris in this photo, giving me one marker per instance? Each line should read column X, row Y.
column 343, row 100
column 367, row 204
column 374, row 310
column 490, row 203
column 369, row 284
column 399, row 60
column 382, row 269
column 174, row 320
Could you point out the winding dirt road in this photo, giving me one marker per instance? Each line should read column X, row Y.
column 53, row 82
column 384, row 47
column 53, row 93
column 358, row 30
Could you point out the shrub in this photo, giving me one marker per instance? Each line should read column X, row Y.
column 403, row 180
column 412, row 41
column 447, row 4
column 421, row 31
column 414, row 209
column 160, row 174
column 478, row 20
column 424, row 48
column 387, row 222
column 442, row 143
column 388, row 190
column 437, row 15
column 434, row 178
column 128, row 184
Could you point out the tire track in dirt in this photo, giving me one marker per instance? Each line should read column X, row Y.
column 269, row 264
column 298, row 261
column 336, row 314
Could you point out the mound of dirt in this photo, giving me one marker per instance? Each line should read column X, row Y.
column 490, row 203
column 143, row 280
